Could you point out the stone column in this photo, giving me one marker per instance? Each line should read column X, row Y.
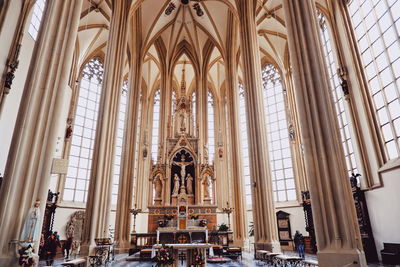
column 99, row 195
column 338, row 237
column 125, row 190
column 28, row 168
column 239, row 205
column 126, row 183
column 238, row 199
column 266, row 233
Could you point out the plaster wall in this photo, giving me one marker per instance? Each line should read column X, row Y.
column 8, row 29
column 11, row 106
column 384, row 209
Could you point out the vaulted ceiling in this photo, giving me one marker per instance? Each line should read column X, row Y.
column 183, row 25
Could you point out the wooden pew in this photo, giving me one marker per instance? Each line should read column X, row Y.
column 76, row 262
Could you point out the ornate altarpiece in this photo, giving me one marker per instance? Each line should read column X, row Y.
column 183, row 174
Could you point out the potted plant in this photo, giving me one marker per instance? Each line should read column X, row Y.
column 223, row 227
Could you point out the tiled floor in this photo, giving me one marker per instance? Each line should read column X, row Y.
column 246, row 262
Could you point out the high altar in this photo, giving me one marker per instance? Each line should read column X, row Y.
column 183, row 191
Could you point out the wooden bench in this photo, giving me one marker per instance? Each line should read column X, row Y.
column 287, row 261
column 310, row 263
column 261, row 254
column 76, row 262
column 390, row 253
column 145, row 254
column 234, row 252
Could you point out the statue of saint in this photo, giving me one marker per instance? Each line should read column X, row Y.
column 157, row 186
column 30, row 232
column 176, row 185
column 183, row 165
column 189, row 184
column 206, row 186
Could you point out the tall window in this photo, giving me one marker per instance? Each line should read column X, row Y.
column 337, row 95
column 210, row 126
column 80, row 157
column 156, row 123
column 194, row 112
column 119, row 141
column 137, row 141
column 283, row 185
column 173, row 104
column 245, row 144
column 376, row 25
column 37, row 15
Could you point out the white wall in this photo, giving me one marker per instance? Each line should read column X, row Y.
column 13, row 99
column 384, row 209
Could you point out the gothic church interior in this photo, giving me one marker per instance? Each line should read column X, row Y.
column 211, row 129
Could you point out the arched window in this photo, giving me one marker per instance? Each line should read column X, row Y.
column 137, row 141
column 245, row 144
column 119, row 141
column 36, row 19
column 210, row 126
column 173, row 102
column 376, row 25
column 337, row 95
column 194, row 112
column 280, row 155
column 156, row 126
column 80, row 157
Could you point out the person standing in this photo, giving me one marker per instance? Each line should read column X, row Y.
column 299, row 244
column 50, row 249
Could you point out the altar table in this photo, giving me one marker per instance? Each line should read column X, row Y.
column 189, row 248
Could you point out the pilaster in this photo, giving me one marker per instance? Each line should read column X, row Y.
column 335, row 220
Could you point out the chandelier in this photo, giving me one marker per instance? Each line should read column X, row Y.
column 196, row 6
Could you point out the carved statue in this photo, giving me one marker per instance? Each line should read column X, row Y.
column 176, row 185
column 183, row 165
column 206, row 186
column 189, row 184
column 31, row 231
column 157, row 186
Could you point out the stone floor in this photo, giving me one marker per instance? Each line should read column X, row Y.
column 247, row 261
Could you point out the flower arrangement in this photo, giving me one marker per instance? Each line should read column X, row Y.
column 165, row 256
column 194, row 216
column 198, row 259
column 168, row 217
column 203, row 223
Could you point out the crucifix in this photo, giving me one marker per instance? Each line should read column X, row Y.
column 183, row 165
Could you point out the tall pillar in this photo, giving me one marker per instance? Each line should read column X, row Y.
column 125, row 189
column 27, row 174
column 338, row 237
column 265, row 227
column 239, row 205
column 99, row 195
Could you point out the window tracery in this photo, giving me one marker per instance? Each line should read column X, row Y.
column 36, row 20
column 376, row 25
column 337, row 95
column 84, row 131
column 156, row 125
column 280, row 154
column 119, row 141
column 211, row 126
